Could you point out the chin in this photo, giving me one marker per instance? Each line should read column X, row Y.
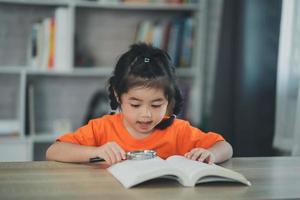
column 143, row 131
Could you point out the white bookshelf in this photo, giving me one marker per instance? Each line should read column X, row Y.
column 139, row 6
column 104, row 29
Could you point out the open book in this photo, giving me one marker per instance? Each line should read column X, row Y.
column 185, row 171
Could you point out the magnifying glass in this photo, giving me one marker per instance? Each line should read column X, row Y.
column 132, row 155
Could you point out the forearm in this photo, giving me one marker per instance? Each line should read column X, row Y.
column 68, row 152
column 222, row 151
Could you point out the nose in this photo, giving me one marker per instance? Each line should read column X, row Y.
column 146, row 112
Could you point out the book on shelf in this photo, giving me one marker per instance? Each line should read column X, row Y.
column 30, row 110
column 49, row 45
column 62, row 59
column 174, row 36
column 187, row 43
column 187, row 172
column 175, row 40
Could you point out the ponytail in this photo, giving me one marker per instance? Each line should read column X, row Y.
column 113, row 100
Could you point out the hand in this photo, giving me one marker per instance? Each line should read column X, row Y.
column 202, row 155
column 111, row 152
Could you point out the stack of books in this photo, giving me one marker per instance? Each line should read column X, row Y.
column 174, row 36
column 49, row 44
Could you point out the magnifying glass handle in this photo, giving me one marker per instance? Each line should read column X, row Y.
column 96, row 159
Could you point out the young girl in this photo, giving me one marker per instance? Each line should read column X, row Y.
column 143, row 89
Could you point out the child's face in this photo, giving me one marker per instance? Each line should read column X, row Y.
column 143, row 108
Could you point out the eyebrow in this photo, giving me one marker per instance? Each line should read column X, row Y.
column 154, row 100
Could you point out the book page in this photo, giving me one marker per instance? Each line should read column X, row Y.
column 198, row 171
column 132, row 172
column 189, row 167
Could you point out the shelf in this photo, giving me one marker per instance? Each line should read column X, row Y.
column 90, row 71
column 139, row 6
column 37, row 2
column 106, row 5
column 95, row 71
column 11, row 70
column 46, row 137
column 9, row 127
column 99, row 32
column 12, row 139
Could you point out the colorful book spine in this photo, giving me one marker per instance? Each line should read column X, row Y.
column 51, row 44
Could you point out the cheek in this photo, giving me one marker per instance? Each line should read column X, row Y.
column 163, row 111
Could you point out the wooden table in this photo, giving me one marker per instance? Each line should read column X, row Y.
column 271, row 178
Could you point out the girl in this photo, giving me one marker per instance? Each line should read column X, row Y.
column 143, row 89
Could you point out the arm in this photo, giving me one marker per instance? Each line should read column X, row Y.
column 81, row 145
column 221, row 150
column 69, row 152
column 217, row 153
column 204, row 147
column 111, row 152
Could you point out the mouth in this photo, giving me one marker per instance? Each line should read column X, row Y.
column 144, row 124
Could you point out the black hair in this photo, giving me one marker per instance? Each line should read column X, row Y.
column 145, row 65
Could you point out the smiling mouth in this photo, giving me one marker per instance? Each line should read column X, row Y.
column 144, row 125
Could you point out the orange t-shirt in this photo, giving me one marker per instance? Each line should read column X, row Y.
column 177, row 139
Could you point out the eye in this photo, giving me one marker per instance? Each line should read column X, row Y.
column 134, row 105
column 156, row 106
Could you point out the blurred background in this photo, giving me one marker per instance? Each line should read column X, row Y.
column 237, row 64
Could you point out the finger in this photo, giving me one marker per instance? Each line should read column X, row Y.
column 106, row 157
column 197, row 154
column 210, row 160
column 121, row 152
column 117, row 153
column 114, row 154
column 203, row 156
column 187, row 155
column 197, row 149
column 190, row 153
column 111, row 155
column 194, row 153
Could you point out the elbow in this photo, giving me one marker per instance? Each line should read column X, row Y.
column 49, row 153
column 227, row 152
column 48, row 157
column 230, row 150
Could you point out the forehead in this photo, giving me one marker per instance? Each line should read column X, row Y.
column 145, row 93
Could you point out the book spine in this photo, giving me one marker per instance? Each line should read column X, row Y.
column 45, row 43
column 61, row 54
column 187, row 43
column 51, row 44
column 33, row 45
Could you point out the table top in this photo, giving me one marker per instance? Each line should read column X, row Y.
column 271, row 178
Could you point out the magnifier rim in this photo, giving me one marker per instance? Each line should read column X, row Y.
column 140, row 154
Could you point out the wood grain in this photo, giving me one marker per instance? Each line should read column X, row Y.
column 271, row 178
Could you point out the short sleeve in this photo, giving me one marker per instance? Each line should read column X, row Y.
column 190, row 137
column 83, row 136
